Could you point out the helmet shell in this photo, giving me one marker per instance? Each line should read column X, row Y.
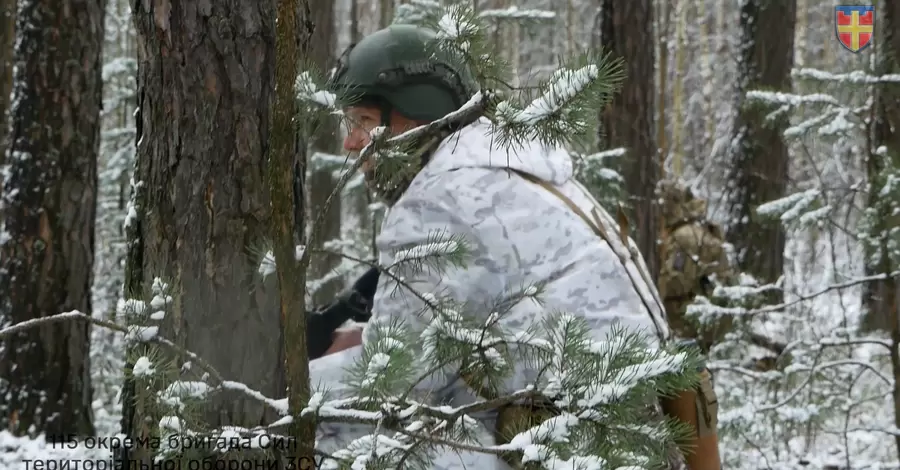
column 401, row 66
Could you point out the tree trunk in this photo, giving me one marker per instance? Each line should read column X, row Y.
column 881, row 298
column 205, row 90
column 293, row 34
column 627, row 31
column 324, row 139
column 759, row 163
column 7, row 36
column 47, row 212
column 354, row 21
column 386, row 12
column 676, row 151
column 664, row 22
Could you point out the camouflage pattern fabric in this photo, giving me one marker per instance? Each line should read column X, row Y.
column 694, row 260
column 518, row 234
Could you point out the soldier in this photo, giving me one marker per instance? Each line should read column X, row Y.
column 526, row 220
column 694, row 261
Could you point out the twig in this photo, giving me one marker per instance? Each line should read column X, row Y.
column 66, row 316
column 218, row 380
column 767, row 343
column 804, row 297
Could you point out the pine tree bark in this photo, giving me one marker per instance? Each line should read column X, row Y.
column 385, row 12
column 881, row 298
column 47, row 212
column 7, row 36
column 325, row 140
column 626, row 30
column 293, row 36
column 205, row 90
column 759, row 165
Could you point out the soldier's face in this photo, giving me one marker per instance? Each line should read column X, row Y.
column 360, row 121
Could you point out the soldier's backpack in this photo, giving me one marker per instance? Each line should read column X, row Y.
column 697, row 408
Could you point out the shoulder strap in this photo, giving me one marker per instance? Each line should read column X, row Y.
column 596, row 225
column 593, row 224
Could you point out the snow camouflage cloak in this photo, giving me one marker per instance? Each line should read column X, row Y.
column 520, row 234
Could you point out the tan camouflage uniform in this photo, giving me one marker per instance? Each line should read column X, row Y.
column 693, row 262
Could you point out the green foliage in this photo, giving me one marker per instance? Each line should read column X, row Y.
column 880, row 227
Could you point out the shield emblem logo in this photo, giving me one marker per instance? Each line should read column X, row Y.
column 854, row 26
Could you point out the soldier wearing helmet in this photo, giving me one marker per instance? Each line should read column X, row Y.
column 694, row 261
column 519, row 209
column 398, row 78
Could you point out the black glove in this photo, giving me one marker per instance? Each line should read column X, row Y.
column 367, row 284
column 355, row 304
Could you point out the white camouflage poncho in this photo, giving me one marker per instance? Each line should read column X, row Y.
column 521, row 234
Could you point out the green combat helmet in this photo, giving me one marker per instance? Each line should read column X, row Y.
column 401, row 68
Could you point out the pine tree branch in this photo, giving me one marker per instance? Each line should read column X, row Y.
column 383, row 270
column 220, row 382
column 430, row 438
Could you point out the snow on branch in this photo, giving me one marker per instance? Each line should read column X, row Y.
column 267, row 264
column 601, row 157
column 856, row 77
column 453, row 25
column 307, row 90
column 567, row 84
column 790, row 207
column 703, row 307
column 145, row 367
column 426, row 250
column 791, row 98
column 590, row 381
column 514, row 13
column 566, row 105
